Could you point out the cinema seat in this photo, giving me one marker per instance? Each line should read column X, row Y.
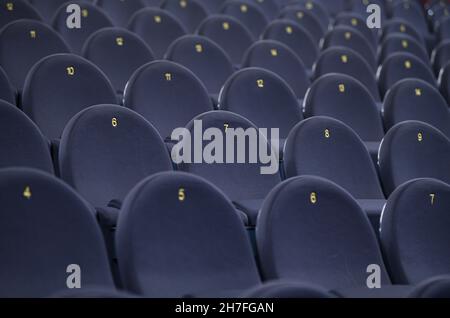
column 303, row 222
column 411, row 12
column 22, row 44
column 60, row 86
column 212, row 6
column 93, row 18
column 306, row 19
column 400, row 66
column 435, row 288
column 7, row 92
column 444, row 82
column 157, row 28
column 398, row 43
column 178, row 235
column 414, row 99
column 269, row 7
column 400, row 26
column 287, row 290
column 54, row 230
column 13, row 10
column 316, row 8
column 441, row 56
column 412, row 150
column 346, row 61
column 414, row 231
column 120, row 11
column 190, row 12
column 443, row 29
column 21, row 142
column 277, row 57
column 204, row 58
column 244, row 184
column 230, row 34
column 327, row 148
column 344, row 98
column 248, row 13
column 118, row 53
column 358, row 22
column 47, row 8
column 167, row 94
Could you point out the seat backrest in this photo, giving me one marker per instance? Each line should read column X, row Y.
column 106, row 150
column 346, row 61
column 313, row 231
column 204, row 58
column 179, row 235
column 414, row 99
column 212, row 6
column 230, row 34
column 22, row 44
column 13, row 10
column 295, row 37
column 7, row 91
column 412, row 12
column 190, row 12
column 411, row 150
column 443, row 29
column 21, row 142
column 280, row 59
column 444, row 82
column 400, row 66
column 262, row 97
column 441, row 56
column 358, row 22
column 239, row 181
column 306, row 19
column 93, row 18
column 326, row 147
column 118, row 53
column 158, row 28
column 60, row 86
column 344, row 98
column 56, row 233
column 400, row 42
column 414, row 231
column 167, row 94
column 248, row 13
column 397, row 25
column 316, row 8
column 47, row 8
column 120, row 11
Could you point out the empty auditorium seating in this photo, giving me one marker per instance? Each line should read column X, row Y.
column 106, row 150
column 60, row 86
column 158, row 28
column 344, row 98
column 248, row 13
column 295, row 37
column 316, row 8
column 349, row 62
column 311, row 230
column 414, row 99
column 306, row 19
column 167, row 94
column 399, row 42
column 444, row 82
column 444, row 29
column 436, row 287
column 21, row 142
column 358, row 22
column 47, row 8
column 22, row 44
column 7, row 92
column 287, row 290
column 413, row 150
column 410, row 11
column 93, row 18
column 213, row 6
column 120, row 11
column 400, row 66
column 244, row 184
column 351, row 38
column 441, row 56
column 263, row 98
column 203, row 57
column 178, row 235
column 190, row 12
column 269, row 7
column 118, row 53
column 55, row 232
column 12, row 10
column 326, row 147
column 414, row 231
column 280, row 59
column 401, row 26
column 228, row 33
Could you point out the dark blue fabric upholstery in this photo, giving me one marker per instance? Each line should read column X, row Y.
column 311, row 230
column 61, row 85
column 248, row 13
column 316, row 8
column 106, row 150
column 230, row 34
column 436, row 287
column 444, row 82
column 92, row 19
column 167, row 94
column 346, row 61
column 118, row 53
column 204, row 58
column 444, row 29
column 306, row 19
column 413, row 150
column 52, row 228
column 414, row 231
column 48, row 8
column 21, row 142
column 287, row 290
column 268, row 104
column 190, row 12
column 21, row 48
column 179, row 235
column 411, row 12
column 7, row 92
column 280, row 59
column 441, row 56
column 414, row 99
column 213, row 6
column 120, row 11
column 358, row 22
column 400, row 42
column 13, row 10
column 401, row 26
